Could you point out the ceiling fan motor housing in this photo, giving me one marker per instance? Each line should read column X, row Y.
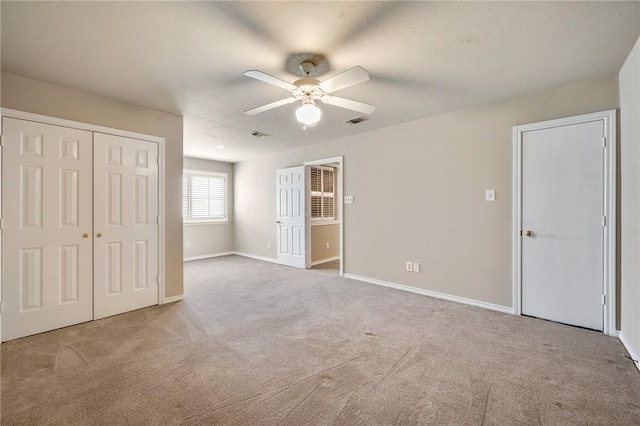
column 307, row 67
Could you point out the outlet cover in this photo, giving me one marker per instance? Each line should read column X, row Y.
column 187, row 245
column 409, row 266
column 348, row 199
column 326, row 245
column 416, row 267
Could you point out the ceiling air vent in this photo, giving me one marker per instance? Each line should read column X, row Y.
column 356, row 120
column 258, row 134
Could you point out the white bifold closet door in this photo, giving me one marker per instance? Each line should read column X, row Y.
column 47, row 255
column 125, row 224
column 80, row 226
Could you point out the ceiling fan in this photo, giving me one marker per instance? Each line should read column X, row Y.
column 308, row 90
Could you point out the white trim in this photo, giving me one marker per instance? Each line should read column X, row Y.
column 609, row 278
column 254, row 256
column 435, row 294
column 161, row 231
column 45, row 119
column 340, row 203
column 208, row 256
column 324, row 222
column 172, row 299
column 630, row 350
column 326, row 260
column 211, row 222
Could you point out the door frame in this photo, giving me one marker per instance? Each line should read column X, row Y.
column 610, row 156
column 11, row 113
column 340, row 161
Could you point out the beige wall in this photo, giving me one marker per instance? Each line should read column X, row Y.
column 320, row 236
column 630, row 199
column 432, row 210
column 37, row 97
column 211, row 238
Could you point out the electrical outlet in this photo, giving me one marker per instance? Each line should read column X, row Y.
column 416, row 267
column 187, row 244
column 326, row 245
column 409, row 266
column 268, row 245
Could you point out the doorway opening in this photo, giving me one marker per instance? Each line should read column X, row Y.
column 325, row 227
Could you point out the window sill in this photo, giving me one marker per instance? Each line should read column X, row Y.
column 324, row 222
column 210, row 222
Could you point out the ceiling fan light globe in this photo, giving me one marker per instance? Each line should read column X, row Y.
column 308, row 114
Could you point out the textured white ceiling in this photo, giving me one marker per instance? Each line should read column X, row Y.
column 424, row 58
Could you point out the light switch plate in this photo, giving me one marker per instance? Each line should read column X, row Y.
column 348, row 199
column 490, row 195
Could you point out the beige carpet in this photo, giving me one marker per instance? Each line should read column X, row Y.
column 256, row 343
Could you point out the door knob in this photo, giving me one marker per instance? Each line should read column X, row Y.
column 99, row 234
column 529, row 233
column 85, row 235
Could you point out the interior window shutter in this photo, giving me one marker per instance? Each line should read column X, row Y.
column 199, row 197
column 216, row 197
column 316, row 178
column 185, row 197
column 204, row 197
column 327, row 181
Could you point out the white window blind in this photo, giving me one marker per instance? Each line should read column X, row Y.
column 322, row 193
column 204, row 197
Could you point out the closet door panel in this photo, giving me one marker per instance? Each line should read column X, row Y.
column 47, row 262
column 126, row 224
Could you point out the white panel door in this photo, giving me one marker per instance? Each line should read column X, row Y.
column 125, row 224
column 562, row 221
column 291, row 214
column 47, row 260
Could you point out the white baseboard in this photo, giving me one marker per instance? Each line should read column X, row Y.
column 629, row 349
column 328, row 259
column 172, row 299
column 435, row 294
column 254, row 256
column 207, row 256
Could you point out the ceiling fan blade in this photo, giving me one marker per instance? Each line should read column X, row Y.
column 259, row 75
column 349, row 104
column 346, row 79
column 267, row 107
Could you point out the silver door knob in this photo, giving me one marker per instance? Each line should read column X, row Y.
column 529, row 233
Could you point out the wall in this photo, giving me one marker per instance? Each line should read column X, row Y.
column 38, row 97
column 210, row 238
column 432, row 210
column 322, row 234
column 630, row 201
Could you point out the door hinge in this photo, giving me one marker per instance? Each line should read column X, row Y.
column 604, row 142
column 604, row 221
column 604, row 299
column 158, row 279
column 1, row 307
column 2, row 223
column 158, row 220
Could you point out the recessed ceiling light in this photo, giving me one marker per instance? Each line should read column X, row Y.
column 220, row 146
